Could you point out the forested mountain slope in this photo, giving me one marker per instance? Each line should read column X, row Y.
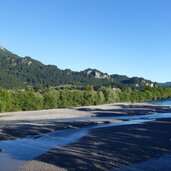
column 19, row 72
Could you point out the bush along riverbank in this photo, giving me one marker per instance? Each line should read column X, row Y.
column 31, row 99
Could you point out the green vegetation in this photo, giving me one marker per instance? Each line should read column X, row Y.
column 29, row 99
column 30, row 85
column 17, row 73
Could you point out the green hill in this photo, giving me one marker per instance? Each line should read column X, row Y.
column 20, row 72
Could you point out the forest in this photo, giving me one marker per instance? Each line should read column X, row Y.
column 28, row 84
column 18, row 73
column 51, row 98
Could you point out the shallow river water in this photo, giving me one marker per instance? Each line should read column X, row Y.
column 17, row 152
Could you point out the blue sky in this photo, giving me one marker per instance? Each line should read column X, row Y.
column 129, row 37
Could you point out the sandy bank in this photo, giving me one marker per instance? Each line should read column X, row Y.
column 87, row 111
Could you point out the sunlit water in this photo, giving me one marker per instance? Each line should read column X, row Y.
column 31, row 147
column 17, row 151
column 166, row 102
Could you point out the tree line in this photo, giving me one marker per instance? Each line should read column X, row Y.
column 36, row 99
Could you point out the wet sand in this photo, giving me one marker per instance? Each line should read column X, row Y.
column 102, row 149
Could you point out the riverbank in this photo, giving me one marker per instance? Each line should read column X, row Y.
column 21, row 124
column 116, row 147
column 102, row 148
column 86, row 111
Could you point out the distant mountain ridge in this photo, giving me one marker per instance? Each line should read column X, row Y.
column 167, row 84
column 20, row 72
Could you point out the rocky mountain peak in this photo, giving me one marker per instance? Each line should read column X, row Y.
column 96, row 73
column 2, row 48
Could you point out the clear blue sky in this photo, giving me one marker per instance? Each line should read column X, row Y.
column 130, row 37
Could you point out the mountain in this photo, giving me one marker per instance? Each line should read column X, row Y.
column 20, row 72
column 95, row 73
column 136, row 81
column 167, row 84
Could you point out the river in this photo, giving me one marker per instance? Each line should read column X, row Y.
column 166, row 102
column 19, row 151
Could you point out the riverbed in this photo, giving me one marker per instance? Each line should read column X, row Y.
column 49, row 141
